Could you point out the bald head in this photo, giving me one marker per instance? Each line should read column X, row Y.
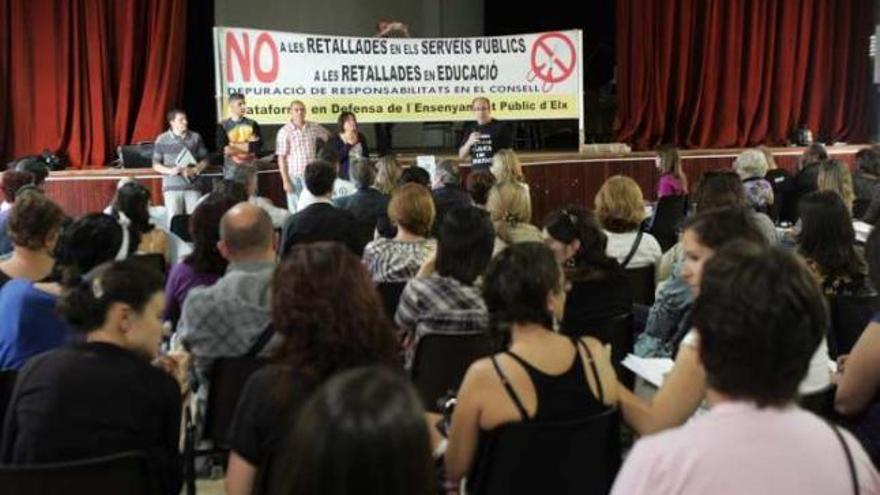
column 246, row 230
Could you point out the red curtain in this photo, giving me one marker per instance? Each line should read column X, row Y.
column 731, row 73
column 81, row 77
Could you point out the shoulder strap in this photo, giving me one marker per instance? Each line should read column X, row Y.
column 633, row 249
column 580, row 343
column 510, row 391
column 854, row 477
column 262, row 339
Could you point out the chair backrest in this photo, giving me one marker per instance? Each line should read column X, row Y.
column 7, row 384
column 180, row 227
column 228, row 378
column 820, row 403
column 391, row 292
column 641, row 284
column 668, row 215
column 617, row 331
column 130, row 473
column 578, row 457
column 849, row 317
column 441, row 360
column 151, row 261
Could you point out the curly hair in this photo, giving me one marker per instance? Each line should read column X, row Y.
column 323, row 331
column 33, row 219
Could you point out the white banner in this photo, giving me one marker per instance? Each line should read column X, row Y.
column 529, row 76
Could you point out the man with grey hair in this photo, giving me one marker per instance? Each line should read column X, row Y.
column 368, row 204
column 231, row 317
column 448, row 193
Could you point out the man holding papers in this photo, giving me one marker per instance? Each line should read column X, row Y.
column 180, row 156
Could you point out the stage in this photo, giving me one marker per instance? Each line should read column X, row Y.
column 556, row 179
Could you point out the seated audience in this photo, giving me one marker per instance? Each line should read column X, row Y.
column 324, row 332
column 807, row 177
column 599, row 288
column 228, row 318
column 339, row 188
column 320, row 221
column 205, row 264
column 506, row 166
column 367, row 423
column 132, row 202
column 30, row 324
column 397, row 260
column 784, row 189
column 368, row 204
column 478, row 185
column 827, row 241
column 101, row 396
column 12, row 181
column 34, row 226
column 448, row 193
column 858, row 380
column 751, row 166
column 447, row 299
column 673, row 181
column 835, row 176
column 758, row 321
column 510, row 209
column 541, row 377
column 866, row 185
column 621, row 209
column 684, row 388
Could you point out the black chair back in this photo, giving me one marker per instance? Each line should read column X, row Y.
column 617, row 331
column 228, row 378
column 849, row 317
column 820, row 403
column 669, row 213
column 129, row 472
column 441, row 360
column 151, row 261
column 578, row 457
column 180, row 227
column 7, row 384
column 641, row 284
column 391, row 292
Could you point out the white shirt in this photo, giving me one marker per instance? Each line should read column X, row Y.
column 619, row 245
column 341, row 188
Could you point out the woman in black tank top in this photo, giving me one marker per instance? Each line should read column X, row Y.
column 541, row 378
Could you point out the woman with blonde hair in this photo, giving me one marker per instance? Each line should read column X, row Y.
column 387, row 174
column 620, row 207
column 835, row 176
column 510, row 209
column 506, row 166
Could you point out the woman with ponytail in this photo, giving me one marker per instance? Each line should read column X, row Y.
column 100, row 396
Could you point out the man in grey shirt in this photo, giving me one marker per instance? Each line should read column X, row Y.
column 227, row 319
column 180, row 156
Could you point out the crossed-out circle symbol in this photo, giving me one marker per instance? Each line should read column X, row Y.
column 546, row 71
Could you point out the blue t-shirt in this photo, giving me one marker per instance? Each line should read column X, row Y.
column 29, row 323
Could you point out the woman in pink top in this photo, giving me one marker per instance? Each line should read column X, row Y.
column 672, row 182
column 759, row 318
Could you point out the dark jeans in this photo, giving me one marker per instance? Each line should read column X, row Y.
column 383, row 138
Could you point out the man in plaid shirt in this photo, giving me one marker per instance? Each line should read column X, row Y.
column 296, row 145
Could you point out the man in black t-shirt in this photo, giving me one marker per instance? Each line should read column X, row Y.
column 238, row 137
column 485, row 137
